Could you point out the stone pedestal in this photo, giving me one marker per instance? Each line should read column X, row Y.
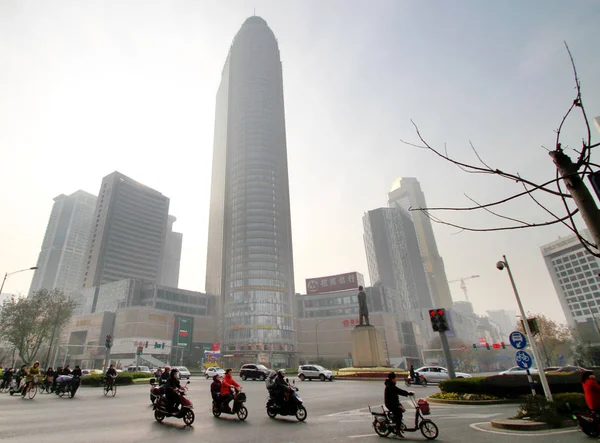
column 367, row 347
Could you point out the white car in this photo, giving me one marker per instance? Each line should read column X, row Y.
column 310, row 372
column 515, row 370
column 183, row 372
column 211, row 372
column 436, row 374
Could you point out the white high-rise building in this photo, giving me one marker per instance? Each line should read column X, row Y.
column 62, row 257
column 249, row 264
column 575, row 274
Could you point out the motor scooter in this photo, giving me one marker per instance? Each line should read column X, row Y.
column 291, row 406
column 384, row 423
column 162, row 409
column 239, row 398
column 420, row 382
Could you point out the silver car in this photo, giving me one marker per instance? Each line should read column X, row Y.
column 436, row 374
column 515, row 370
column 309, row 372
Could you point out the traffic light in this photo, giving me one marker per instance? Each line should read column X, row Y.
column 140, row 350
column 474, row 346
column 108, row 343
column 438, row 319
column 533, row 326
column 487, row 345
column 146, row 344
column 503, row 345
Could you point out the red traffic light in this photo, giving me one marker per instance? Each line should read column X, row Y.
column 440, row 312
column 433, row 312
column 496, row 346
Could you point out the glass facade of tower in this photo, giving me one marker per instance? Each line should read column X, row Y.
column 250, row 249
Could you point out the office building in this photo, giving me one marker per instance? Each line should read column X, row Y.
column 171, row 260
column 62, row 256
column 575, row 275
column 505, row 319
column 128, row 233
column 406, row 193
column 249, row 263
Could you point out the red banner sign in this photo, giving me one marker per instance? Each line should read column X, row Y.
column 351, row 322
column 333, row 283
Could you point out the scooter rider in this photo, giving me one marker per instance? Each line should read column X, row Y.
column 215, row 390
column 227, row 385
column 416, row 378
column 281, row 387
column 165, row 375
column 171, row 389
column 391, row 400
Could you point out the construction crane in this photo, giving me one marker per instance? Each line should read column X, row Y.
column 463, row 286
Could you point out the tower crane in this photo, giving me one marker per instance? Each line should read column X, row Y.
column 463, row 286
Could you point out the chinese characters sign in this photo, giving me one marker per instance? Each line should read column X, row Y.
column 333, row 283
column 351, row 322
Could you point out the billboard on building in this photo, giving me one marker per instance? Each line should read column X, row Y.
column 333, row 283
column 152, row 346
column 183, row 328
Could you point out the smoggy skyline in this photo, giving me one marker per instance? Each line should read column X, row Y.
column 89, row 89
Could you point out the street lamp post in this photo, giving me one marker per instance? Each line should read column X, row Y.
column 8, row 274
column 504, row 264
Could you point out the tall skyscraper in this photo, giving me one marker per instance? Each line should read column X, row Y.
column 406, row 192
column 62, row 257
column 171, row 260
column 249, row 261
column 394, row 258
column 128, row 232
column 576, row 278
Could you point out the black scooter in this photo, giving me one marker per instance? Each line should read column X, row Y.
column 292, row 406
column 238, row 409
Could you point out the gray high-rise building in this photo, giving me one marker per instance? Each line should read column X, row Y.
column 171, row 260
column 62, row 257
column 406, row 193
column 249, row 262
column 128, row 232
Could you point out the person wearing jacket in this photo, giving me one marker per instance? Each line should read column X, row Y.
column 391, row 400
column 76, row 372
column 165, row 375
column 591, row 390
column 281, row 388
column 171, row 389
column 215, row 390
column 226, row 385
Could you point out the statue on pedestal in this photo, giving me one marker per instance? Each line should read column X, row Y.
column 363, row 310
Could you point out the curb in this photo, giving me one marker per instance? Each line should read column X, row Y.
column 139, row 381
column 519, row 425
column 472, row 402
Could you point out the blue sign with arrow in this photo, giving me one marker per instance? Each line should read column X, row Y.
column 517, row 340
column 523, row 360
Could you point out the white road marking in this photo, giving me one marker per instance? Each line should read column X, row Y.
column 361, row 436
column 521, row 434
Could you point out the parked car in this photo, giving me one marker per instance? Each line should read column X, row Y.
column 211, row 372
column 435, row 374
column 515, row 370
column 139, row 369
column 255, row 372
column 571, row 369
column 310, row 372
column 183, row 372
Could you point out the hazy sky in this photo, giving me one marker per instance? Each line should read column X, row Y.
column 90, row 87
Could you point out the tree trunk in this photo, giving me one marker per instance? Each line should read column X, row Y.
column 580, row 193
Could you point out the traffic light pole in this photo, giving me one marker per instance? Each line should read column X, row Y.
column 447, row 355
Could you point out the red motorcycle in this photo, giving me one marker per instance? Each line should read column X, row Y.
column 162, row 409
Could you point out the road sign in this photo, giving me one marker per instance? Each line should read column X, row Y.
column 463, row 347
column 517, row 340
column 523, row 360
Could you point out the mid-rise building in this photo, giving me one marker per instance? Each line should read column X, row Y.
column 128, row 233
column 62, row 257
column 171, row 260
column 249, row 263
column 406, row 193
column 505, row 319
column 575, row 275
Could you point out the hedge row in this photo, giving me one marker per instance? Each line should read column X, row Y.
column 512, row 386
column 556, row 414
column 124, row 378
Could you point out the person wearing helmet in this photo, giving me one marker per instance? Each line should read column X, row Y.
column 165, row 375
column 281, row 388
column 172, row 389
column 227, row 385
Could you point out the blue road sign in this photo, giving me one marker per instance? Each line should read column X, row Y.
column 523, row 360
column 517, row 340
column 561, row 357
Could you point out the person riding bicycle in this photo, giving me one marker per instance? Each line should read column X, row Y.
column 6, row 378
column 416, row 378
column 33, row 372
column 391, row 400
column 67, row 370
column 227, row 385
column 172, row 389
column 76, row 372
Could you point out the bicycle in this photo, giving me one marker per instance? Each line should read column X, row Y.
column 110, row 386
column 31, row 387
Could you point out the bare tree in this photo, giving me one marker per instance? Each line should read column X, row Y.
column 568, row 184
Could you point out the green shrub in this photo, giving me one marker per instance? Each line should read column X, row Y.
column 512, row 386
column 568, row 402
column 554, row 414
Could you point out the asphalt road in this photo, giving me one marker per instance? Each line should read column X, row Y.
column 336, row 412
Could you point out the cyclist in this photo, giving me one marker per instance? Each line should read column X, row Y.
column 33, row 372
column 391, row 394
column 67, row 370
column 76, row 372
column 111, row 374
column 49, row 378
column 6, row 378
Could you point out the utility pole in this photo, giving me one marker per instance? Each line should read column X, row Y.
column 580, row 193
column 447, row 355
